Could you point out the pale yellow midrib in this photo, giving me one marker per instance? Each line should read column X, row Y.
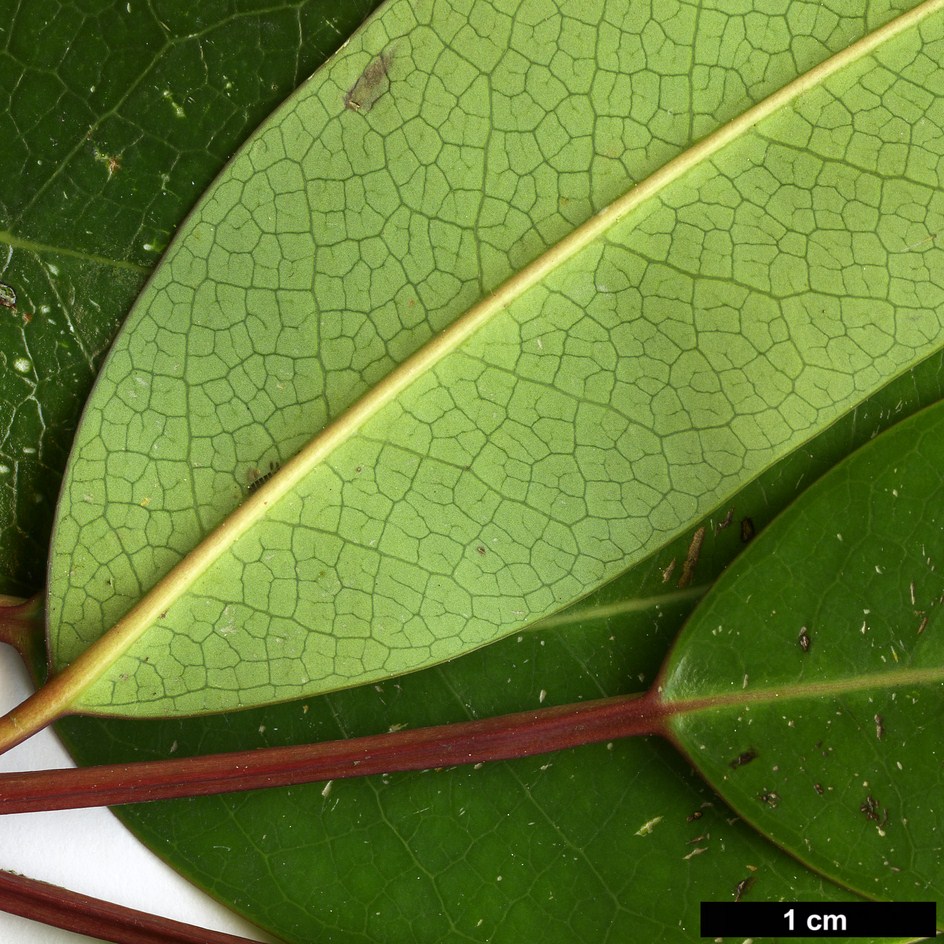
column 63, row 691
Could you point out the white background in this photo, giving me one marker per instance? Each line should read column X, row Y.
column 88, row 851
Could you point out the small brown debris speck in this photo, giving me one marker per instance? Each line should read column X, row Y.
column 745, row 758
column 7, row 296
column 747, row 530
column 879, row 727
column 923, row 625
column 726, row 520
column 257, row 479
column 871, row 810
column 667, row 573
column 480, row 550
column 769, row 797
column 818, row 787
column 691, row 559
column 804, row 639
column 743, row 887
column 693, row 816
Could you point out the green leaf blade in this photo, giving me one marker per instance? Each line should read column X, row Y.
column 503, row 477
column 813, row 671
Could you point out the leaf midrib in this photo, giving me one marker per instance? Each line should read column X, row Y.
column 59, row 695
column 803, row 691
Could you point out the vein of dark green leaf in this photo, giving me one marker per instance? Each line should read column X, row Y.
column 38, row 248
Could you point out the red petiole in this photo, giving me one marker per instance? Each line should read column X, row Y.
column 516, row 735
column 72, row 911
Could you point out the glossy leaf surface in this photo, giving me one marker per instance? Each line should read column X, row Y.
column 113, row 121
column 560, row 431
column 825, row 641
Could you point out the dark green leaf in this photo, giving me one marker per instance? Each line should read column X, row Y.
column 818, row 665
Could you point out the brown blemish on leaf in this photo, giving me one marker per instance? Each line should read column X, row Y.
column 871, row 810
column 745, row 758
column 824, row 751
column 480, row 550
column 698, row 814
column 112, row 162
column 691, row 559
column 923, row 625
column 667, row 573
column 747, row 530
column 818, row 787
column 726, row 521
column 372, row 83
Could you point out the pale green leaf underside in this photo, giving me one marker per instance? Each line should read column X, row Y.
column 728, row 318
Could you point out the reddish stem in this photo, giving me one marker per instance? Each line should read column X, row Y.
column 471, row 742
column 104, row 920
